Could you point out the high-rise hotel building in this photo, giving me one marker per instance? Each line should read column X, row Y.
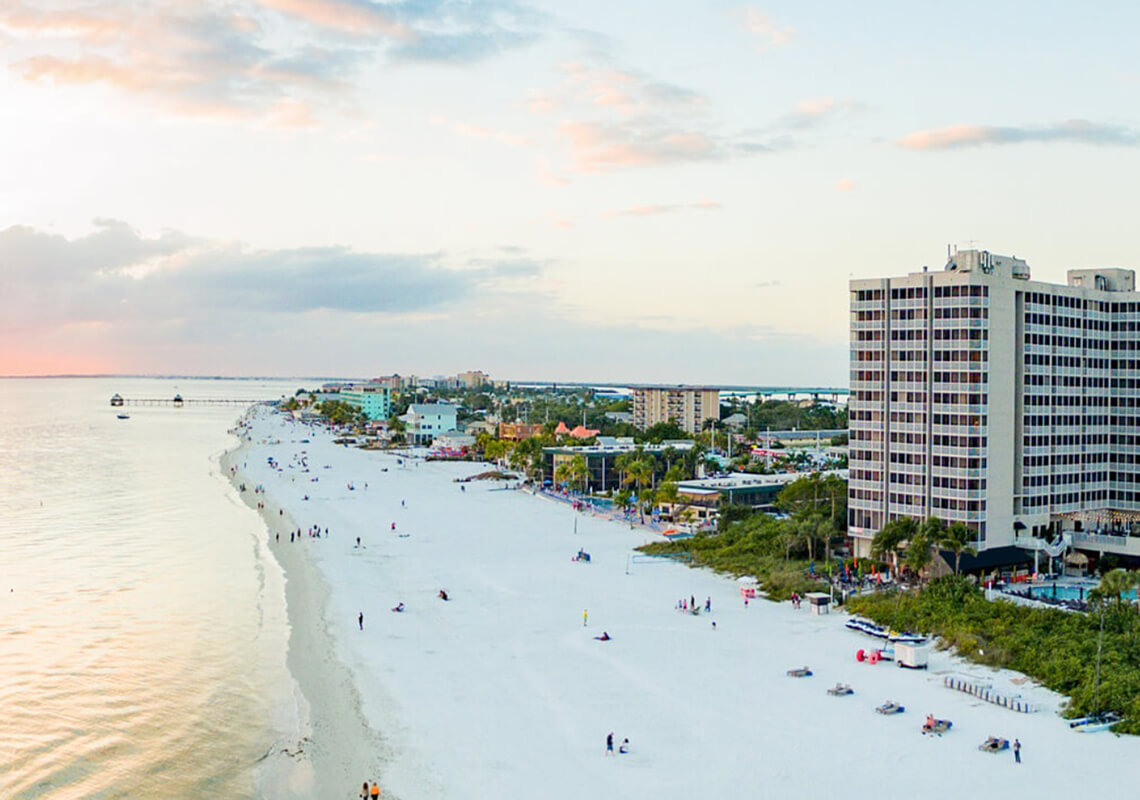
column 980, row 396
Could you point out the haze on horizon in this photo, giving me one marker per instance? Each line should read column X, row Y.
column 582, row 191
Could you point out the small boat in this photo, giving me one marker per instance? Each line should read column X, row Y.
column 890, row 707
column 906, row 637
column 800, row 672
column 1095, row 723
column 994, row 744
column 122, row 416
column 866, row 626
column 840, row 690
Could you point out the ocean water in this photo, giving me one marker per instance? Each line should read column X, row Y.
column 142, row 625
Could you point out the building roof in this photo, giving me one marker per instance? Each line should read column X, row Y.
column 431, row 408
column 989, row 559
column 746, row 480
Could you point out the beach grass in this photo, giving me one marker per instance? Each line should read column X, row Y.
column 740, row 554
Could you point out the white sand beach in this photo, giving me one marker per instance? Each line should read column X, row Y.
column 502, row 692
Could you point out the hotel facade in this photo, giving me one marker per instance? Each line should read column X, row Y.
column 1013, row 406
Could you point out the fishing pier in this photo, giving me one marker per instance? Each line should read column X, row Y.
column 178, row 401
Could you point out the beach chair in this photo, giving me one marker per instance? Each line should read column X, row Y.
column 994, row 744
column 939, row 727
column 840, row 690
column 800, row 672
column 890, row 707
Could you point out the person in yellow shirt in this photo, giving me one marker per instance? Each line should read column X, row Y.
column 375, row 791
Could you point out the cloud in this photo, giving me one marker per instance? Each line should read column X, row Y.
column 239, row 60
column 617, row 118
column 845, row 185
column 771, row 33
column 115, row 274
column 1076, row 130
column 655, row 210
column 601, row 147
column 356, row 19
column 470, row 131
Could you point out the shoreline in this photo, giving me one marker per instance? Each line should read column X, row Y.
column 332, row 746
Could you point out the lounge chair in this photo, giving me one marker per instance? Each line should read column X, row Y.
column 801, row 672
column 994, row 744
column 840, row 690
column 940, row 727
column 890, row 707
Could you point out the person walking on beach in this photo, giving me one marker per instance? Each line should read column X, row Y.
column 610, row 744
column 585, row 616
column 708, row 604
column 375, row 793
column 1016, row 751
column 360, row 620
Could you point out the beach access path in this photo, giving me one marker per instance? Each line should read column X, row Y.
column 502, row 692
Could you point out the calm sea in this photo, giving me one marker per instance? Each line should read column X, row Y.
column 142, row 626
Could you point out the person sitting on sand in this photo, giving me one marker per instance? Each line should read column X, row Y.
column 929, row 722
column 624, row 748
column 443, row 594
column 398, row 607
column 605, row 637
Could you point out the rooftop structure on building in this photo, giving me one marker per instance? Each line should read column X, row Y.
column 688, row 406
column 1013, row 406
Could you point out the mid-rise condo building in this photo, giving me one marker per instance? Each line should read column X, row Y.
column 688, row 406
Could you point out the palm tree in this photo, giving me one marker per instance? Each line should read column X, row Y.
column 1114, row 583
column 956, row 539
column 918, row 555
column 641, row 473
column 891, row 536
column 623, row 499
column 574, row 472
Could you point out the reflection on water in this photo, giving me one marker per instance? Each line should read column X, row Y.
column 142, row 630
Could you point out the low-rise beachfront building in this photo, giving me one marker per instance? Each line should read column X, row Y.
column 452, row 443
column 601, row 459
column 756, row 491
column 373, row 399
column 517, row 431
column 688, row 406
column 425, row 421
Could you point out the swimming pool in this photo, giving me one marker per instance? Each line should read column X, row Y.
column 1068, row 591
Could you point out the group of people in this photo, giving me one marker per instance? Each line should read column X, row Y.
column 691, row 604
column 623, row 748
column 370, row 792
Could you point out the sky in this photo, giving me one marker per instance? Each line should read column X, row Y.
column 667, row 191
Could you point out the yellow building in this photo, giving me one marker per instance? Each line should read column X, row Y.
column 688, row 406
